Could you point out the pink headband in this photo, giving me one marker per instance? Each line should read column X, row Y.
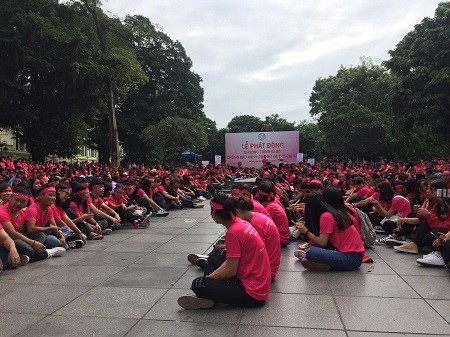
column 67, row 190
column 47, row 190
column 236, row 191
column 215, row 206
column 120, row 190
column 21, row 196
column 36, row 182
column 83, row 191
column 270, row 195
column 8, row 189
column 97, row 185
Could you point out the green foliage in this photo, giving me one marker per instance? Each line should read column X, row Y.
column 173, row 88
column 245, row 123
column 357, row 132
column 311, row 139
column 280, row 124
column 421, row 61
column 173, row 135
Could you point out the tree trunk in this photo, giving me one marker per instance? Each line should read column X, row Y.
column 113, row 132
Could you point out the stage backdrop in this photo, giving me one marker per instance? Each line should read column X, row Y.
column 249, row 148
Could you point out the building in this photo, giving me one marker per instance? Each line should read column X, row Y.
column 11, row 146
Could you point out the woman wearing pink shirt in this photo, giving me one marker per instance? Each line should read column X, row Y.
column 244, row 278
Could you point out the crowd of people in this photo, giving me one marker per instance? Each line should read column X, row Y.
column 332, row 208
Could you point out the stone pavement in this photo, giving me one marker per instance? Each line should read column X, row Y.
column 128, row 284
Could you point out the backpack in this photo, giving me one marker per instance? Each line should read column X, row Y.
column 368, row 234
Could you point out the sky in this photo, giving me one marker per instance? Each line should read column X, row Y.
column 262, row 57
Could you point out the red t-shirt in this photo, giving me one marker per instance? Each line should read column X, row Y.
column 400, row 205
column 96, row 202
column 58, row 212
column 253, row 270
column 268, row 232
column 257, row 207
column 346, row 241
column 112, row 199
column 38, row 215
column 6, row 216
column 141, row 193
column 362, row 192
column 78, row 209
column 279, row 217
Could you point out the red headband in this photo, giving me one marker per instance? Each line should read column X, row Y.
column 8, row 189
column 83, row 191
column 36, row 182
column 47, row 190
column 67, row 190
column 21, row 196
column 215, row 206
column 120, row 190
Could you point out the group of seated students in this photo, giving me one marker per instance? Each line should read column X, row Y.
column 326, row 212
column 45, row 212
column 332, row 207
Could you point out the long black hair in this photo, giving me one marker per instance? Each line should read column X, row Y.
column 229, row 205
column 333, row 196
column 386, row 191
column 315, row 206
column 438, row 184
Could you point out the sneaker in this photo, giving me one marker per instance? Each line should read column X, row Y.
column 107, row 231
column 75, row 244
column 409, row 247
column 115, row 226
column 432, row 259
column 315, row 266
column 379, row 229
column 201, row 198
column 382, row 241
column 392, row 242
column 24, row 259
column 194, row 302
column 201, row 263
column 300, row 254
column 192, row 258
column 55, row 252
column 161, row 213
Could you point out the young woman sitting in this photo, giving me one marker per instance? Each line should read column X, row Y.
column 244, row 278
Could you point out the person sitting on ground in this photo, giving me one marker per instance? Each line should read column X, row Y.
column 244, row 278
column 12, row 218
column 440, row 256
column 266, row 229
column 145, row 195
column 244, row 190
column 39, row 218
column 98, row 206
column 266, row 193
column 436, row 221
column 5, row 193
column 118, row 201
column 9, row 257
column 335, row 227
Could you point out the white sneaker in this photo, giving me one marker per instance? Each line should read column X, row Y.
column 24, row 259
column 383, row 241
column 55, row 252
column 432, row 259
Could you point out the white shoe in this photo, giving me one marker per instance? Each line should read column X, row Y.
column 55, row 252
column 24, row 259
column 432, row 259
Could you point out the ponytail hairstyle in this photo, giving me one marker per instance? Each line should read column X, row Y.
column 226, row 206
column 245, row 204
column 266, row 191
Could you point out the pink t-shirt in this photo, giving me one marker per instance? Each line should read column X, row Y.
column 39, row 216
column 115, row 201
column 346, row 241
column 253, row 270
column 58, row 212
column 140, row 193
column 7, row 216
column 400, row 205
column 268, row 232
column 257, row 207
column 279, row 217
column 362, row 192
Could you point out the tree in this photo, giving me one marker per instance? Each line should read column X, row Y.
column 245, row 123
column 281, row 124
column 357, row 132
column 421, row 61
column 310, row 139
column 173, row 135
column 173, row 88
column 120, row 67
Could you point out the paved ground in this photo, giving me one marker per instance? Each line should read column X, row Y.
column 128, row 284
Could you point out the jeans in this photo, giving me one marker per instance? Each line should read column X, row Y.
column 335, row 259
column 4, row 257
column 25, row 249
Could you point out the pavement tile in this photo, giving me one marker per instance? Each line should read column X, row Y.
column 352, row 284
column 377, row 267
column 204, row 231
column 113, row 302
column 63, row 326
column 71, row 258
column 147, row 237
column 79, row 275
column 295, row 310
column 13, row 323
column 196, row 238
column 163, row 260
column 133, row 247
column 145, row 277
column 147, row 328
column 385, row 334
column 167, row 308
column 390, row 315
column 300, row 283
column 37, row 299
column 165, row 230
column 183, row 248
column 256, row 331
column 431, row 287
column 442, row 307
column 110, row 259
column 28, row 273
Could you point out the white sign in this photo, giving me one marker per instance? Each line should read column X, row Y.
column 217, row 160
column 299, row 157
column 311, row 161
column 248, row 149
column 205, row 162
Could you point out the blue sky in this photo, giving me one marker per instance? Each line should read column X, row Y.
column 263, row 57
